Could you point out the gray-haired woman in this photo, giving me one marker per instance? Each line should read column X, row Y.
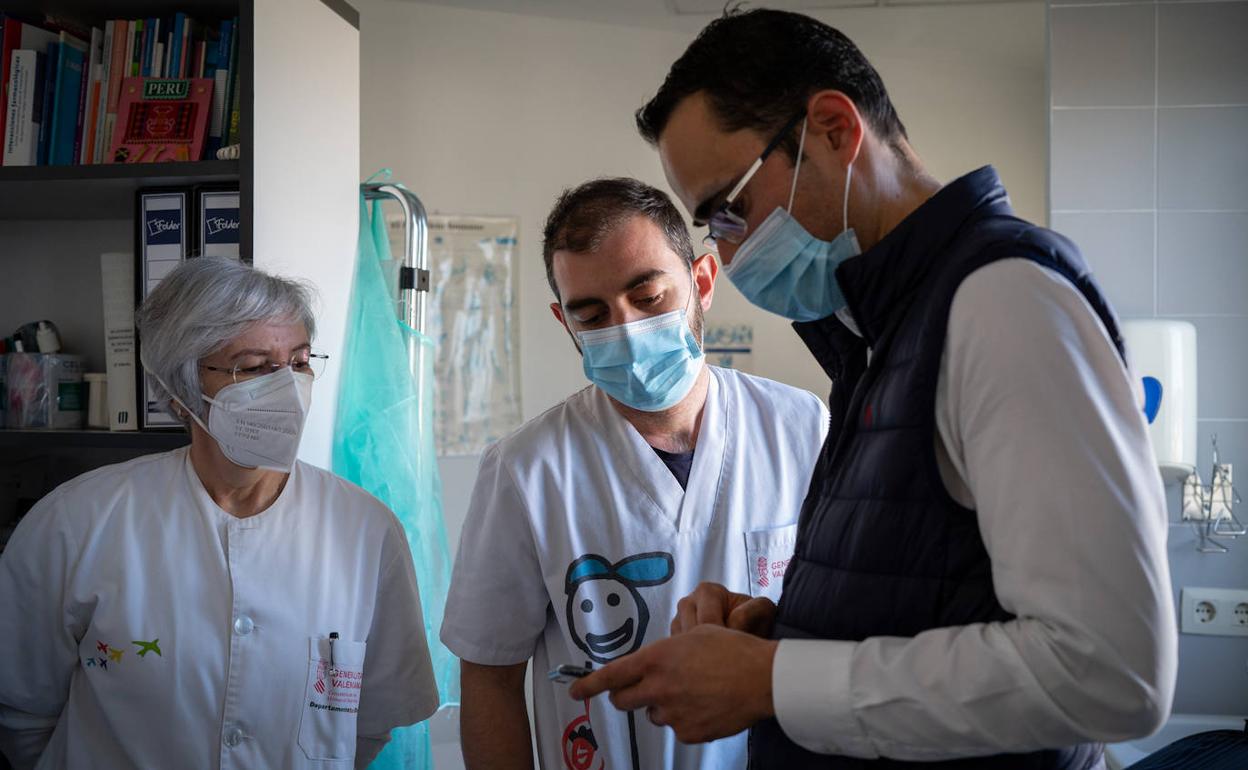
column 223, row 604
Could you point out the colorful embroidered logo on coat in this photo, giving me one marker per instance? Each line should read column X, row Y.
column 114, row 654
column 763, row 580
column 146, row 647
column 319, row 686
column 607, row 615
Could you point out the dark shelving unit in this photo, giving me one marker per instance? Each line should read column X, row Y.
column 96, row 191
column 153, row 441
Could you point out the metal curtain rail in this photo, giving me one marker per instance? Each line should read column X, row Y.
column 414, row 274
column 413, row 278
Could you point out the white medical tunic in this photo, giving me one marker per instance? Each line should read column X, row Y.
column 153, row 629
column 579, row 543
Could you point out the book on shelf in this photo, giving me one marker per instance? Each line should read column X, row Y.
column 15, row 34
column 221, row 74
column 23, row 110
column 71, row 53
column 162, row 222
column 91, row 97
column 50, row 62
column 81, row 82
column 117, row 281
column 217, row 221
column 160, row 119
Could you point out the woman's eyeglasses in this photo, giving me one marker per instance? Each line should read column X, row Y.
column 300, row 363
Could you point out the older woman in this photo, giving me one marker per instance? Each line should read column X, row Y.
column 222, row 605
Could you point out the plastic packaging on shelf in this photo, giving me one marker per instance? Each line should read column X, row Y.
column 44, row 391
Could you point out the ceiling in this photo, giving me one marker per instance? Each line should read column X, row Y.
column 665, row 13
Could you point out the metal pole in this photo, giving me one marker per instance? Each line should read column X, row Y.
column 414, row 274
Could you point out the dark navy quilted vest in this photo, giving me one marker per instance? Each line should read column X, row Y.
column 882, row 549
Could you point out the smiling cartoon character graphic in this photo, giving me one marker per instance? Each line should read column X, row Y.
column 607, row 615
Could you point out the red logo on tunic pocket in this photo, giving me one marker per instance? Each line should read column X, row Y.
column 868, row 416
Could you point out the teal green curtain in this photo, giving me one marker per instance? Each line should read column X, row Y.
column 383, row 441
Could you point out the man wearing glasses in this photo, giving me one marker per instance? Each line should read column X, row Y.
column 980, row 573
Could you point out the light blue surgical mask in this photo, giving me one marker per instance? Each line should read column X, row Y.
column 784, row 269
column 649, row 365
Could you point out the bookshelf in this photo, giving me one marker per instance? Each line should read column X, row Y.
column 96, row 191
column 298, row 176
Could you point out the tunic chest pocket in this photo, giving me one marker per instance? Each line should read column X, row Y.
column 332, row 698
column 767, row 555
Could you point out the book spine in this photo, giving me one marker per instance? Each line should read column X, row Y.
column 128, row 56
column 117, row 283
column 116, row 71
column 19, row 141
column 184, row 66
column 51, row 63
column 10, row 40
column 234, row 115
column 65, row 111
column 230, row 129
column 175, row 44
column 149, row 44
column 86, row 92
column 153, row 43
column 169, row 38
column 136, row 61
column 101, row 107
column 85, row 139
column 216, row 131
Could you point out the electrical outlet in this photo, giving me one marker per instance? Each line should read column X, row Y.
column 1214, row 611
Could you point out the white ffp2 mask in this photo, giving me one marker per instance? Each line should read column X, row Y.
column 258, row 422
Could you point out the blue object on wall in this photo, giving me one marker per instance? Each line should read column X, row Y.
column 1152, row 398
column 384, row 442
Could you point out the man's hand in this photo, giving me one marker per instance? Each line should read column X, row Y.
column 714, row 604
column 708, row 683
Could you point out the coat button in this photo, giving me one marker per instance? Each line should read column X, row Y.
column 243, row 625
column 233, row 737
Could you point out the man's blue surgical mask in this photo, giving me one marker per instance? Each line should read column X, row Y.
column 649, row 365
column 784, row 269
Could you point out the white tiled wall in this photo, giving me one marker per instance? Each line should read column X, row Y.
column 1149, row 175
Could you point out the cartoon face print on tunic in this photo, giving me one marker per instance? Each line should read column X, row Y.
column 607, row 615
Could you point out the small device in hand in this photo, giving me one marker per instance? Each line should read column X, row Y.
column 566, row 673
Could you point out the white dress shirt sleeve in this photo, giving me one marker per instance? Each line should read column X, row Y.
column 1040, row 423
column 399, row 687
column 39, row 628
column 497, row 604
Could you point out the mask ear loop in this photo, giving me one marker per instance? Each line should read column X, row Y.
column 849, row 174
column 693, row 290
column 797, row 166
column 174, row 398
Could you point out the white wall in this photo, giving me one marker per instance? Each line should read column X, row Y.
column 307, row 173
column 494, row 113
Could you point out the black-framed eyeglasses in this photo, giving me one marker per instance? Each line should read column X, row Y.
column 728, row 224
column 303, row 362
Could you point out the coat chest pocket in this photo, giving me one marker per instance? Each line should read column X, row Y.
column 767, row 555
column 331, row 698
